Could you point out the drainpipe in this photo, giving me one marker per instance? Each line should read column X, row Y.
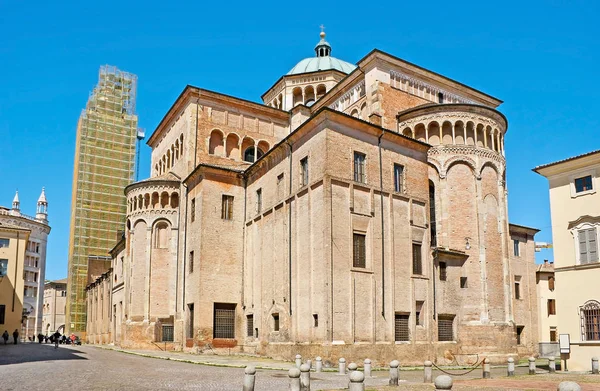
column 290, row 235
column 382, row 228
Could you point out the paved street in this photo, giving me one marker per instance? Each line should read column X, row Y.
column 41, row 367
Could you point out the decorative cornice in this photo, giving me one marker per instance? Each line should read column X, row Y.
column 356, row 89
column 434, row 89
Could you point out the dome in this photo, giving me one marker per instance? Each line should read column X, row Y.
column 322, row 62
column 313, row 64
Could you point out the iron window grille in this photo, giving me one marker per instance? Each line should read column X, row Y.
column 446, row 328
column 590, row 321
column 167, row 333
column 360, row 250
column 416, row 255
column 224, row 321
column 193, row 210
column 250, row 325
column 359, row 167
column 227, row 207
column 401, row 329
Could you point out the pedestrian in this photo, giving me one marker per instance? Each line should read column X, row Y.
column 56, row 339
column 40, row 337
column 15, row 335
column 5, row 336
column 72, row 338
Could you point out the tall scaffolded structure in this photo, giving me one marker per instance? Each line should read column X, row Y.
column 104, row 164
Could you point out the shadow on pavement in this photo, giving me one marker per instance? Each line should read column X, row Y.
column 34, row 352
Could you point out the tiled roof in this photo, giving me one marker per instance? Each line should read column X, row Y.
column 566, row 160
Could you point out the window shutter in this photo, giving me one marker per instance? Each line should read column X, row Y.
column 583, row 258
column 592, row 245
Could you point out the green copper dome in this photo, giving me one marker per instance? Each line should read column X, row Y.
column 322, row 62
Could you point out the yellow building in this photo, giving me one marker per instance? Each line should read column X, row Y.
column 575, row 210
column 13, row 243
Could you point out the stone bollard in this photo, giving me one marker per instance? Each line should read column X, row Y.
column 309, row 363
column 532, row 365
column 304, row 377
column 511, row 366
column 298, row 361
column 352, row 367
column 551, row 364
column 294, row 375
column 487, row 374
column 249, row 376
column 367, row 368
column 427, row 366
column 357, row 381
column 319, row 364
column 394, row 373
column 342, row 366
column 594, row 365
column 568, row 386
column 443, row 382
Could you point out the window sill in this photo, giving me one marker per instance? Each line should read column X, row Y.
column 361, row 270
column 583, row 193
column 402, row 342
column 419, row 276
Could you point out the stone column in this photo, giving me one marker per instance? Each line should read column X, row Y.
column 367, row 367
column 594, row 365
column 249, row 377
column 319, row 364
column 568, row 386
column 511, row 366
column 304, row 377
column 453, row 133
column 352, row 367
column 552, row 364
column 394, row 373
column 342, row 366
column 443, row 382
column 532, row 365
column 294, row 375
column 357, row 381
column 486, row 369
column 298, row 361
column 427, row 366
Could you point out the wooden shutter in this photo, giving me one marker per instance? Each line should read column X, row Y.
column 592, row 245
column 583, row 254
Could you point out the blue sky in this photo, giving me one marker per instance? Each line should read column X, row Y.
column 541, row 58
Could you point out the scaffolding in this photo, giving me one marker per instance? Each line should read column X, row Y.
column 104, row 164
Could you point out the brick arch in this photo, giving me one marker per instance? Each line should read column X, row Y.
column 464, row 160
column 494, row 166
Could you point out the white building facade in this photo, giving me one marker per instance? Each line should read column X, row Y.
column 34, row 269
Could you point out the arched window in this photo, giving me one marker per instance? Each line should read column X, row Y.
column 215, row 146
column 249, row 154
column 590, row 321
column 161, row 235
